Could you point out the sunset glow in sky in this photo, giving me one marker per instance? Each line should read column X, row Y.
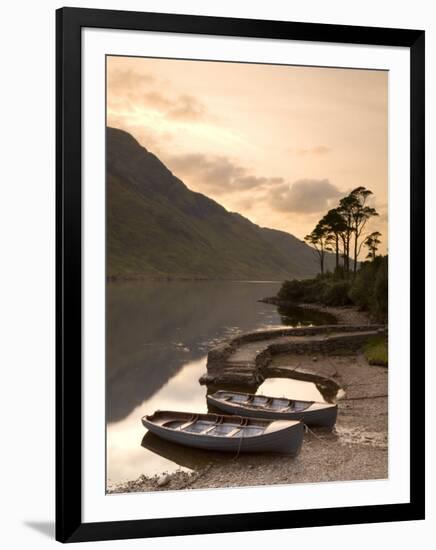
column 278, row 144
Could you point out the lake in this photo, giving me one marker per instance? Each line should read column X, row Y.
column 158, row 336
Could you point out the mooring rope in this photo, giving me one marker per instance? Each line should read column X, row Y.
column 244, row 422
column 323, row 440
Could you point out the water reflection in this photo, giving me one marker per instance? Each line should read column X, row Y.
column 153, row 329
column 296, row 316
column 186, row 457
column 126, row 458
column 293, row 389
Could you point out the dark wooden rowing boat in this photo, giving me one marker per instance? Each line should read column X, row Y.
column 216, row 432
column 311, row 413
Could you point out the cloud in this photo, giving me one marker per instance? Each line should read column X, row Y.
column 130, row 90
column 304, row 196
column 157, row 100
column 182, row 107
column 217, row 174
column 317, row 150
column 126, row 80
column 187, row 108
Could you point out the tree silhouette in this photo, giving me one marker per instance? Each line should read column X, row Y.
column 345, row 209
column 337, row 227
column 321, row 240
column 360, row 214
column 371, row 242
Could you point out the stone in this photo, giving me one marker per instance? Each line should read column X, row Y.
column 163, row 480
column 242, row 360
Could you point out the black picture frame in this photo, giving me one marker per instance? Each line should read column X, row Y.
column 69, row 525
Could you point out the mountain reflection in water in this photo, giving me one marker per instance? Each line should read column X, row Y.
column 153, row 329
column 158, row 336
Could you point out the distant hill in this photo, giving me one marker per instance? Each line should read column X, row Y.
column 158, row 228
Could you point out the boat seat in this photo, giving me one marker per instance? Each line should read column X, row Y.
column 234, row 432
column 244, row 422
column 219, row 421
column 191, row 421
column 209, row 429
column 263, row 405
column 287, row 408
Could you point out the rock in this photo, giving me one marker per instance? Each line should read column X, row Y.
column 315, row 359
column 163, row 480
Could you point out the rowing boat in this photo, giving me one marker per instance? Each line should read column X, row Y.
column 216, row 432
column 311, row 413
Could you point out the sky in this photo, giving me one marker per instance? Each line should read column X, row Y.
column 278, row 144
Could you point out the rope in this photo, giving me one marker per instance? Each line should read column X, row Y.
column 239, row 447
column 364, row 397
column 244, row 422
column 323, row 440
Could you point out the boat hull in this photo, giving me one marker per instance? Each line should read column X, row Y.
column 285, row 440
column 318, row 414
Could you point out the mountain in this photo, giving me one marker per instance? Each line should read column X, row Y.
column 158, row 228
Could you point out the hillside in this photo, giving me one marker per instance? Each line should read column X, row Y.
column 158, row 228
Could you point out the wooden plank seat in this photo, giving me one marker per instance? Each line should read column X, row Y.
column 262, row 403
column 191, row 421
column 213, row 426
column 244, row 422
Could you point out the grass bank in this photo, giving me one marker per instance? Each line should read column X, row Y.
column 376, row 351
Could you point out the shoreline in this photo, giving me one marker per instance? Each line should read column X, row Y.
column 355, row 450
column 345, row 315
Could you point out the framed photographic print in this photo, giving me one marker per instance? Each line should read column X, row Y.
column 240, row 274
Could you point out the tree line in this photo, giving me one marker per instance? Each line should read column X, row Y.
column 341, row 231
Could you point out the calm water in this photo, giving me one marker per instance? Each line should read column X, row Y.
column 158, row 336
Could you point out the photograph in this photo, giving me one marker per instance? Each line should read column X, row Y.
column 217, row 275
column 247, row 247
